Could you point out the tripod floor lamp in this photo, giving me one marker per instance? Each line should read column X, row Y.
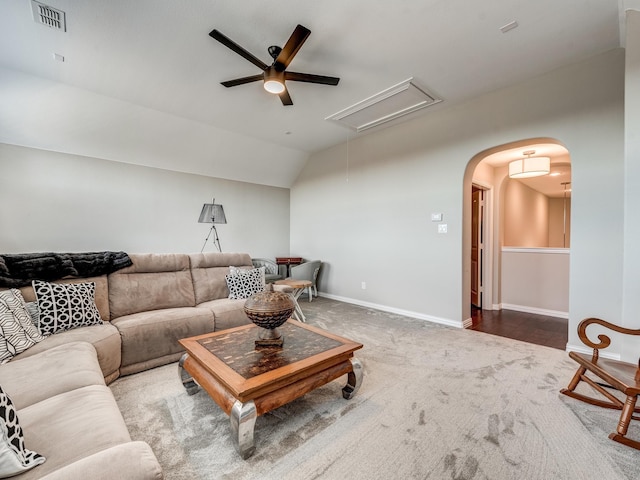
column 212, row 213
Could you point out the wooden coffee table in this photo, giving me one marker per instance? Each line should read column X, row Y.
column 246, row 382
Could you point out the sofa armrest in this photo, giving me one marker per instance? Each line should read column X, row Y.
column 133, row 460
column 60, row 369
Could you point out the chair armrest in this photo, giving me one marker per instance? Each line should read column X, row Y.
column 270, row 265
column 306, row 271
column 605, row 341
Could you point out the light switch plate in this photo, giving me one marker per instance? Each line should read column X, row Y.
column 436, row 217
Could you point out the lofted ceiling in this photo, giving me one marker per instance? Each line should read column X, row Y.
column 139, row 81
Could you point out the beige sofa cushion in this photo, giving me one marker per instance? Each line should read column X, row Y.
column 70, row 426
column 133, row 461
column 153, row 282
column 102, row 294
column 105, row 338
column 153, row 335
column 227, row 313
column 208, row 271
column 46, row 374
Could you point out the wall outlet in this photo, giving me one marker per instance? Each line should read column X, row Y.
column 442, row 228
column 364, row 285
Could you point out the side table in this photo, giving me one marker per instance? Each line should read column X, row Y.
column 287, row 262
column 297, row 287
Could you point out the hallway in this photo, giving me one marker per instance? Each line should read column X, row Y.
column 538, row 329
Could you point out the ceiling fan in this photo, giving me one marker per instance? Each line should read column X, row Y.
column 275, row 75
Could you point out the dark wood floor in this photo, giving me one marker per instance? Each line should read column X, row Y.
column 538, row 329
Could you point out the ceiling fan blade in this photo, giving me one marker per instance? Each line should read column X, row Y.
column 243, row 80
column 308, row 77
column 285, row 97
column 227, row 42
column 290, row 49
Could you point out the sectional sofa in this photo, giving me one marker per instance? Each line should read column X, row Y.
column 59, row 385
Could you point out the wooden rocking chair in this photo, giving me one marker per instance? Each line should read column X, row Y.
column 621, row 376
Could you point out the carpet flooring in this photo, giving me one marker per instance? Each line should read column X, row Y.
column 436, row 403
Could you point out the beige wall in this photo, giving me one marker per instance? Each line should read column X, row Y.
column 630, row 297
column 536, row 280
column 382, row 187
column 484, row 174
column 559, row 223
column 526, row 216
column 59, row 202
column 531, row 219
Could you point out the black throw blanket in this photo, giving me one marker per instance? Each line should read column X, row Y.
column 18, row 270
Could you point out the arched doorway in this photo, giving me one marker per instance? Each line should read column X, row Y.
column 492, row 247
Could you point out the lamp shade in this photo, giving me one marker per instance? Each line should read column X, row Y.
column 529, row 167
column 212, row 213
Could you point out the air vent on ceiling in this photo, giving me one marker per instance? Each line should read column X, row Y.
column 392, row 103
column 48, row 16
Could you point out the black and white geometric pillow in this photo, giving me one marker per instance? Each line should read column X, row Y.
column 233, row 270
column 246, row 283
column 14, row 457
column 15, row 301
column 17, row 333
column 34, row 313
column 64, row 306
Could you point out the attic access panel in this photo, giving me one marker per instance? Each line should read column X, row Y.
column 392, row 103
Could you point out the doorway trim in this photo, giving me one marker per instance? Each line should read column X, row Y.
column 487, row 250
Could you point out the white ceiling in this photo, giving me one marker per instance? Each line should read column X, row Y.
column 140, row 79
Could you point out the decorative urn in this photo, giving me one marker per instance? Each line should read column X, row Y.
column 268, row 310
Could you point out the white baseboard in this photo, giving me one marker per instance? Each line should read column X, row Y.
column 589, row 351
column 534, row 310
column 398, row 311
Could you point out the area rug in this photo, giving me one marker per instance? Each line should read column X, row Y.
column 436, row 403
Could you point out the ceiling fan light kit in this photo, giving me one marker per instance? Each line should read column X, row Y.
column 274, row 86
column 273, row 81
column 529, row 166
column 275, row 75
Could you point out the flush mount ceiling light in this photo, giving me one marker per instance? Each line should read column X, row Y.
column 529, row 166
